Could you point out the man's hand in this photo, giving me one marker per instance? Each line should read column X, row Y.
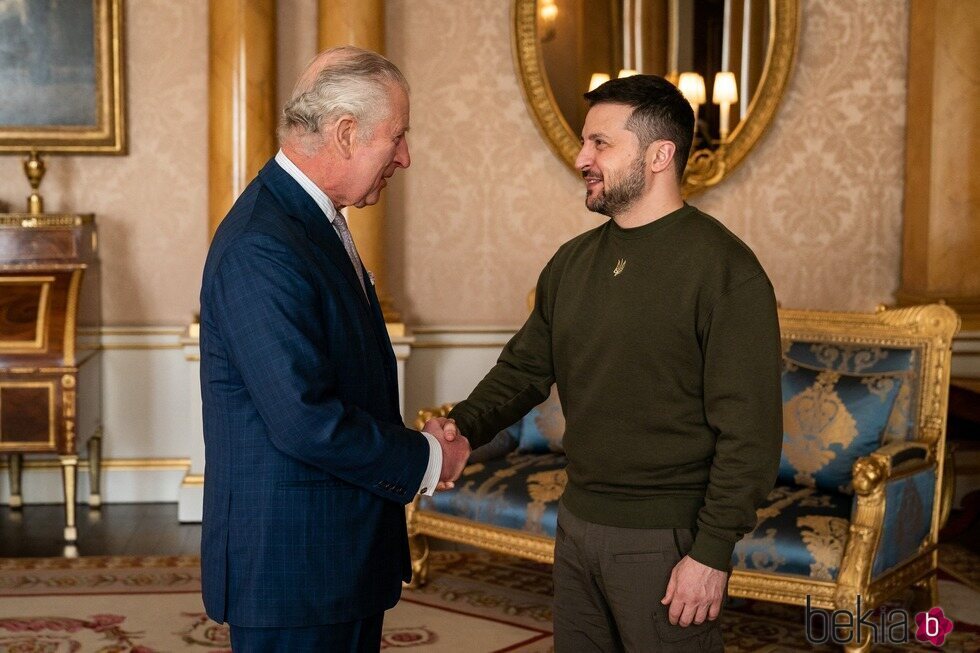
column 455, row 449
column 694, row 593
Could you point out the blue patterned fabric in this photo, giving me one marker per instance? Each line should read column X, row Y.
column 542, row 429
column 830, row 419
column 864, row 359
column 518, row 492
column 908, row 516
column 801, row 531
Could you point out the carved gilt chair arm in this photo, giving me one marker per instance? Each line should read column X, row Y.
column 871, row 472
column 426, row 414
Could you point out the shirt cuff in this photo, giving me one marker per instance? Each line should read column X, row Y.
column 434, row 469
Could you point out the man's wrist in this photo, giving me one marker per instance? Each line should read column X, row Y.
column 712, row 551
column 433, row 470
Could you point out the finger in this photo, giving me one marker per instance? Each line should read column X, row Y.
column 701, row 614
column 449, row 430
column 669, row 596
column 676, row 610
column 687, row 617
column 445, row 485
column 714, row 610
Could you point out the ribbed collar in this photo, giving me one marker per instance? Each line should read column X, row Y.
column 650, row 228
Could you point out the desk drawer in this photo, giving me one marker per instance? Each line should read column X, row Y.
column 37, row 412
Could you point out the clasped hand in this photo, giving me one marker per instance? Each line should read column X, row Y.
column 455, row 449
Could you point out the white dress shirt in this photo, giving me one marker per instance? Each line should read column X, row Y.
column 434, row 469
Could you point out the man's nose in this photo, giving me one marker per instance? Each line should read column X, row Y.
column 584, row 158
column 402, row 157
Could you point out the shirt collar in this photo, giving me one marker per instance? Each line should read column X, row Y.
column 307, row 184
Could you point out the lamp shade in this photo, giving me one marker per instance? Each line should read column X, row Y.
column 725, row 90
column 628, row 72
column 692, row 87
column 598, row 79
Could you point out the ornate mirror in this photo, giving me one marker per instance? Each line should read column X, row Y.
column 730, row 58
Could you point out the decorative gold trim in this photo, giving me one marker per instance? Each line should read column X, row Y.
column 502, row 540
column 784, row 37
column 40, row 341
column 45, row 221
column 108, row 136
column 438, row 330
column 19, row 445
column 71, row 315
column 193, row 480
column 140, row 346
column 117, row 464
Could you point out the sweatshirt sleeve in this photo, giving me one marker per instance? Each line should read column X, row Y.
column 520, row 380
column 743, row 405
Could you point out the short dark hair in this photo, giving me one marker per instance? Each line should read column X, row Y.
column 660, row 111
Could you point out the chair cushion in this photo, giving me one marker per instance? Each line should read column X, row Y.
column 542, row 429
column 867, row 359
column 801, row 531
column 519, row 492
column 830, row 419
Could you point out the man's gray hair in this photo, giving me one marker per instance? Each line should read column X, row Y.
column 352, row 82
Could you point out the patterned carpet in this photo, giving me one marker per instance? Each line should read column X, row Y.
column 474, row 602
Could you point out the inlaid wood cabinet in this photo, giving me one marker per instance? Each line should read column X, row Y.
column 49, row 300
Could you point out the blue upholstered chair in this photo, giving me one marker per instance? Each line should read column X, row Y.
column 862, row 487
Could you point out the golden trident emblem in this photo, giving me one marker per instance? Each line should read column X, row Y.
column 620, row 266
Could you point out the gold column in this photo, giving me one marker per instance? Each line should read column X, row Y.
column 361, row 23
column 941, row 244
column 242, row 102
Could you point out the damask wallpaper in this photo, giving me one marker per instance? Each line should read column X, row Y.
column 485, row 203
column 150, row 205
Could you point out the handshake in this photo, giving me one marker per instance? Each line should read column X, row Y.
column 455, row 449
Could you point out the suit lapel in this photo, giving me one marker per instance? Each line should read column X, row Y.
column 301, row 206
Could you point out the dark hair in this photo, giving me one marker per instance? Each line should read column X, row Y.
column 660, row 111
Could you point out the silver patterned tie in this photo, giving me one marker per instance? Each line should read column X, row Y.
column 340, row 224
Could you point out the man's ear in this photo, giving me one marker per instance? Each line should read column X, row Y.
column 345, row 133
column 660, row 155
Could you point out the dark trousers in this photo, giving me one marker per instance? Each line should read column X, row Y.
column 609, row 582
column 363, row 636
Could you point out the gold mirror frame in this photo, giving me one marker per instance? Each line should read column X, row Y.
column 705, row 167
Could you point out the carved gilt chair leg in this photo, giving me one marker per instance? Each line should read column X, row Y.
column 925, row 593
column 418, row 546
column 15, row 462
column 95, row 470
column 69, row 469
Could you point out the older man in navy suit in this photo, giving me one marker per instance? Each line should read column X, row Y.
column 308, row 462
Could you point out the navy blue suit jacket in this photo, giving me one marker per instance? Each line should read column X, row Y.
column 308, row 463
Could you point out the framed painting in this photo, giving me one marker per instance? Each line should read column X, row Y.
column 61, row 75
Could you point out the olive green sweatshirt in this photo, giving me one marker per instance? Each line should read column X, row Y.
column 664, row 342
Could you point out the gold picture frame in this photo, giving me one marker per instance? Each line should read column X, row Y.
column 40, row 63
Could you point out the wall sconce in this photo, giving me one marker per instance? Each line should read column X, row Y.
column 598, row 79
column 724, row 94
column 548, row 14
column 691, row 86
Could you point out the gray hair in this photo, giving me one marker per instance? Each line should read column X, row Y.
column 352, row 82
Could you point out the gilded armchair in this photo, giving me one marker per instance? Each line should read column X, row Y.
column 863, row 486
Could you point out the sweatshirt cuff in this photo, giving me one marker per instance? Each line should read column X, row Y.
column 712, row 551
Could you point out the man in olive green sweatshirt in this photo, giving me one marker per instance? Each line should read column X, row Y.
column 660, row 329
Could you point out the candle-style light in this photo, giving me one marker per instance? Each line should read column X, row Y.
column 598, row 79
column 692, row 88
column 724, row 94
column 627, row 72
